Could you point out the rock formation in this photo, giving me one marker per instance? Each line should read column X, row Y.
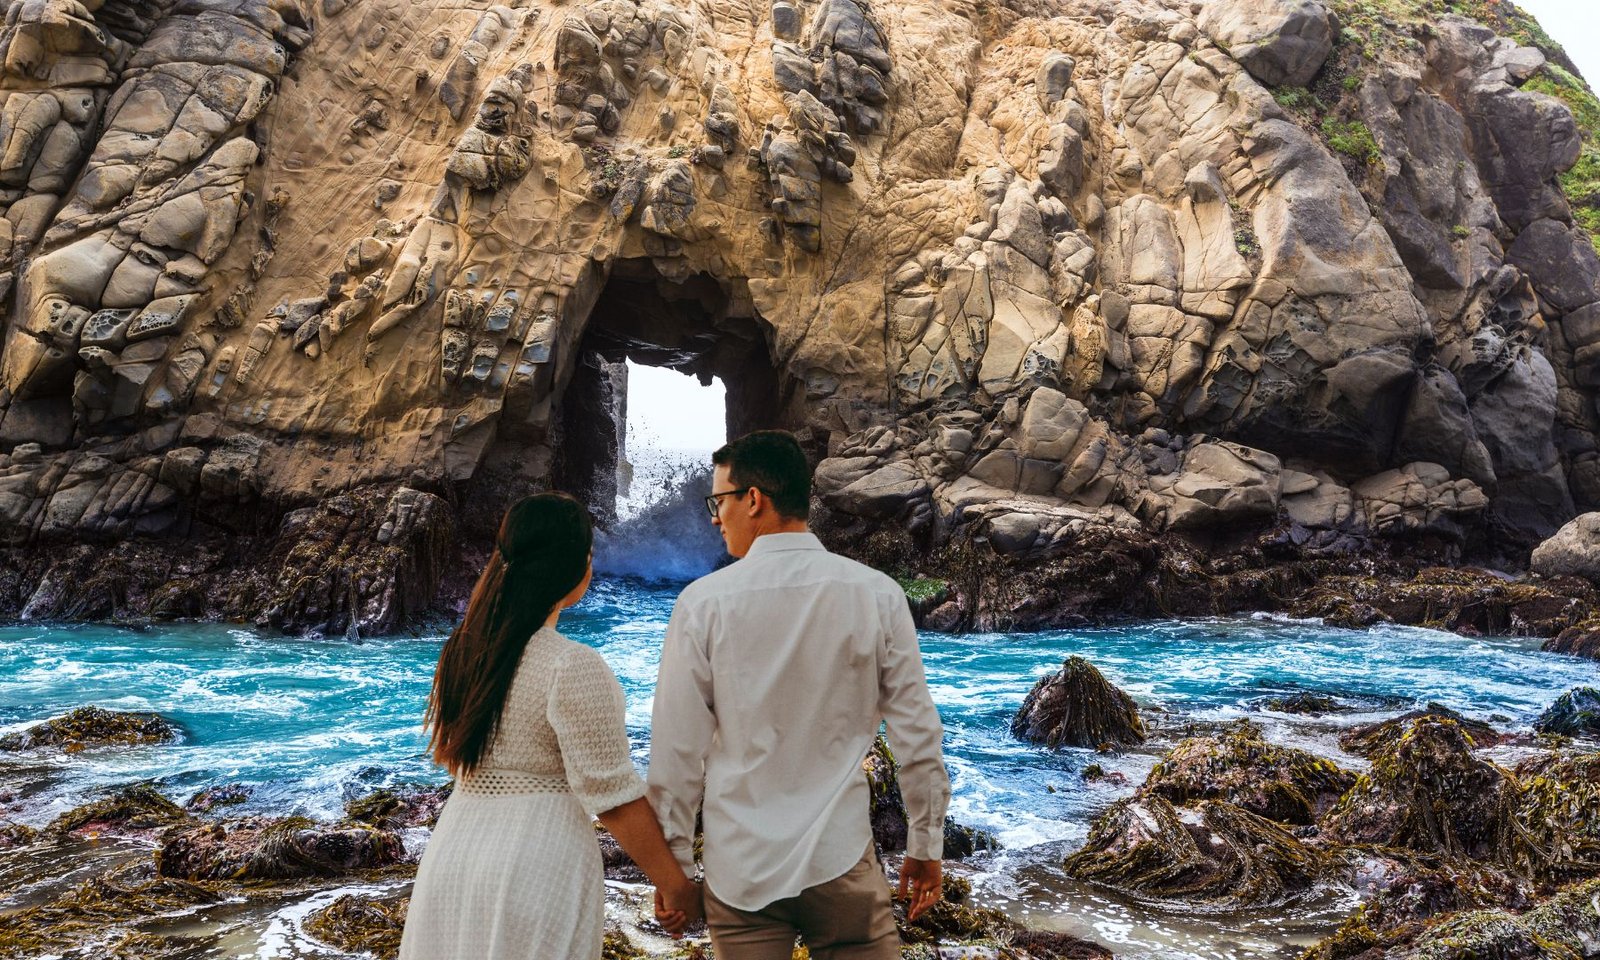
column 1078, row 707
column 1072, row 276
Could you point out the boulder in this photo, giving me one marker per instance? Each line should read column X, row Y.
column 1281, row 44
column 395, row 809
column 887, row 811
column 1213, row 853
column 1077, row 707
column 228, row 795
column 92, row 727
column 1575, row 713
column 1241, row 767
column 275, row 848
column 1574, row 550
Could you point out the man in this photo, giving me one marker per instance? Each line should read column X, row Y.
column 775, row 674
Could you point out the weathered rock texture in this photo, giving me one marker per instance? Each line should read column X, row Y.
column 1040, row 276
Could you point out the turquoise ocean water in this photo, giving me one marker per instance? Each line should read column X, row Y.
column 311, row 722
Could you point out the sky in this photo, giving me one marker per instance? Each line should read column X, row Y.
column 1575, row 24
column 671, row 411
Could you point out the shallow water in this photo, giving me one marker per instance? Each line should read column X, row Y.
column 310, row 723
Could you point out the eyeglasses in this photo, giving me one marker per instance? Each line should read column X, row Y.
column 713, row 502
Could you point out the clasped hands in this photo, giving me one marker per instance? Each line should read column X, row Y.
column 680, row 906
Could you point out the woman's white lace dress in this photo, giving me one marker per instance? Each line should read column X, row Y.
column 513, row 869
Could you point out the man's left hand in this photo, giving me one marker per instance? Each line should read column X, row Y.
column 921, row 883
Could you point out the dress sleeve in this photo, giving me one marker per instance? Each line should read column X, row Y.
column 587, row 712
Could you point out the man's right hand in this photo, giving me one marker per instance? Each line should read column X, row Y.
column 921, row 881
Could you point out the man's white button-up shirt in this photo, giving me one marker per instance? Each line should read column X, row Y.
column 775, row 674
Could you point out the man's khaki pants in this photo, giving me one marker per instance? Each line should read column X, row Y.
column 847, row 918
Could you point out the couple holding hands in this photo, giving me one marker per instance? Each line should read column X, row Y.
column 775, row 674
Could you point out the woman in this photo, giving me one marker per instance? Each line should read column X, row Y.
column 531, row 726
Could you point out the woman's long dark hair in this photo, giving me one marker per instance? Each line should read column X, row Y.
column 540, row 555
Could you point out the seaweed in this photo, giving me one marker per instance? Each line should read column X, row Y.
column 357, row 924
column 1241, row 767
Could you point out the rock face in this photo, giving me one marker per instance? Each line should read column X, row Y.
column 298, row 300
column 1077, row 707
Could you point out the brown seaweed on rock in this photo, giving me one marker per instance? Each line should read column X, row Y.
column 357, row 924
column 1213, row 852
column 392, row 809
column 84, row 915
column 1558, row 817
column 887, row 810
column 1241, row 767
column 138, row 807
column 954, row 919
column 1077, row 707
column 270, row 848
column 1368, row 738
column 92, row 726
column 1427, row 792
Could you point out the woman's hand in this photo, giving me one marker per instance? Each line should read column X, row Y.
column 679, row 906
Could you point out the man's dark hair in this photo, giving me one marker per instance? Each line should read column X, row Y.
column 772, row 462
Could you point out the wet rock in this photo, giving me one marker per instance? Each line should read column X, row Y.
column 1576, row 713
column 887, row 811
column 138, row 807
column 228, row 795
column 1427, row 792
column 16, row 835
column 1213, row 852
column 1574, row 550
column 92, row 726
column 389, row 809
column 1303, row 703
column 1241, row 767
column 616, row 945
column 1579, row 640
column 357, row 924
column 271, row 848
column 1370, row 738
column 1077, row 707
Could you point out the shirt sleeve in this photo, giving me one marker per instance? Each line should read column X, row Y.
column 683, row 722
column 588, row 712
column 915, row 732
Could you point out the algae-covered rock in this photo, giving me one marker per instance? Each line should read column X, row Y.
column 82, row 916
column 1303, row 703
column 139, row 807
column 1427, row 792
column 1077, row 707
column 357, row 924
column 1213, row 852
column 16, row 835
column 1241, row 767
column 1575, row 714
column 270, row 848
column 1367, row 739
column 617, row 946
column 1558, row 817
column 887, row 810
column 228, row 795
column 392, row 809
column 1483, row 935
column 1571, row 918
column 91, row 727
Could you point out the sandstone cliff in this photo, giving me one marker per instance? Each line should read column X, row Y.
column 300, row 293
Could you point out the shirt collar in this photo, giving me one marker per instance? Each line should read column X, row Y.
column 780, row 542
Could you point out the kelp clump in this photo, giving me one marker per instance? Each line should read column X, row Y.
column 1077, row 707
column 391, row 809
column 955, row 919
column 1213, row 852
column 268, row 848
column 1557, row 817
column 1368, row 738
column 138, row 807
column 1241, row 767
column 89, row 914
column 90, row 727
column 1427, row 792
column 357, row 924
